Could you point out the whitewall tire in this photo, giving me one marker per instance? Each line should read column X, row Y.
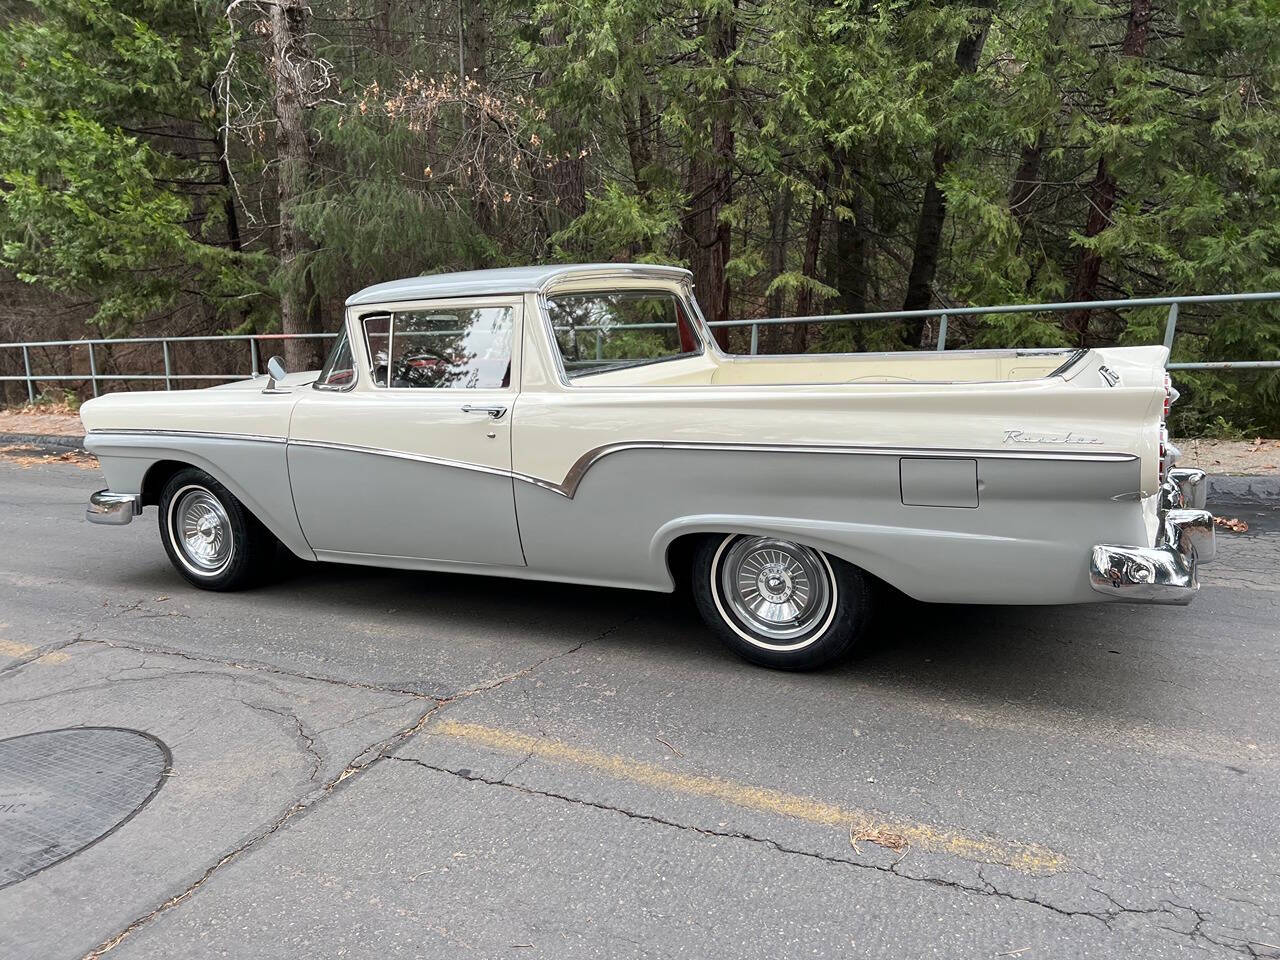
column 211, row 539
column 780, row 603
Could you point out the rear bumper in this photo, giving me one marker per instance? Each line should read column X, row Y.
column 1165, row 573
column 114, row 509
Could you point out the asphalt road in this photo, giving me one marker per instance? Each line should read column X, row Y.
column 379, row 764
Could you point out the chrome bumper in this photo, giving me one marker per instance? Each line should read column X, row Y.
column 1165, row 573
column 115, row 509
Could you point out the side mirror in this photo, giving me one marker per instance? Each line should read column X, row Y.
column 275, row 372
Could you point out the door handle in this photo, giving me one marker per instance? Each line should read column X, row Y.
column 495, row 413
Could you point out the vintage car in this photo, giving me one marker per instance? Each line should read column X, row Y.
column 580, row 423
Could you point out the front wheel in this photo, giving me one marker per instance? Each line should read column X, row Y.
column 779, row 603
column 210, row 537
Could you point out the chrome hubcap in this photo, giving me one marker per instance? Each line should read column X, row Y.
column 777, row 589
column 201, row 531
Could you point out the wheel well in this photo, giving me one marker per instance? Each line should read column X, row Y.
column 156, row 477
column 680, row 557
column 680, row 560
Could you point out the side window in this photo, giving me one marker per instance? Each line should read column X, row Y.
column 339, row 371
column 453, row 349
column 605, row 331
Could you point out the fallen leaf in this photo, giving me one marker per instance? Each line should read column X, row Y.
column 880, row 836
column 1234, row 524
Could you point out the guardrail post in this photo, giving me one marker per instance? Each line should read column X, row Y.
column 755, row 339
column 1170, row 326
column 168, row 382
column 26, row 363
column 93, row 369
column 599, row 345
column 942, row 332
column 253, row 356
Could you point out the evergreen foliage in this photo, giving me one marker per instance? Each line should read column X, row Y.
column 801, row 155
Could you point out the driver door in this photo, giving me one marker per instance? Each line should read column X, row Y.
column 408, row 454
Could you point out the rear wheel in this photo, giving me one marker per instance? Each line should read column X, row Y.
column 211, row 539
column 779, row 603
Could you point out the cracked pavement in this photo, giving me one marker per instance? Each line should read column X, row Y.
column 379, row 764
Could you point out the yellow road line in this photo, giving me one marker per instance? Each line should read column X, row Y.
column 11, row 648
column 862, row 824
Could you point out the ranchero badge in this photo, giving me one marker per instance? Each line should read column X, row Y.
column 1022, row 436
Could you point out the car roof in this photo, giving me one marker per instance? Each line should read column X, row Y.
column 505, row 280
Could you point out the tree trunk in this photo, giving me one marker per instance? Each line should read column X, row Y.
column 290, row 74
column 473, row 53
column 1103, row 192
column 933, row 208
column 564, row 185
column 1026, row 181
column 636, row 128
column 385, row 27
column 809, row 268
column 569, row 185
column 1102, row 200
column 228, row 196
column 850, row 270
column 924, row 255
column 779, row 229
column 770, row 337
column 710, row 186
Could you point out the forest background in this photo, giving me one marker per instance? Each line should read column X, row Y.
column 185, row 167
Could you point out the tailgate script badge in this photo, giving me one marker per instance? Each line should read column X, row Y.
column 1022, row 436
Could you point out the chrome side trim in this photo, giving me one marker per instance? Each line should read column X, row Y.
column 113, row 509
column 401, row 455
column 569, row 486
column 193, row 434
column 580, row 467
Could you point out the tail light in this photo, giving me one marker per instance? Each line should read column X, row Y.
column 1170, row 395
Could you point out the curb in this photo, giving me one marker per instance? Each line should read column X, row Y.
column 1251, row 490
column 55, row 441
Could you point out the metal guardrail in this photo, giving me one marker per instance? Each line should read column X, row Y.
column 943, row 315
column 94, row 377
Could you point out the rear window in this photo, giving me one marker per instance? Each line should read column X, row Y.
column 607, row 331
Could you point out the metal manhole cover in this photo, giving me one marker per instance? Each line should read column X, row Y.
column 64, row 790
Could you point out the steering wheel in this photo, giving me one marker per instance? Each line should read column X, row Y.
column 427, row 368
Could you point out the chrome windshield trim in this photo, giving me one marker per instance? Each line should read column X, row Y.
column 343, row 334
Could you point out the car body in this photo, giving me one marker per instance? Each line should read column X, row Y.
column 579, row 423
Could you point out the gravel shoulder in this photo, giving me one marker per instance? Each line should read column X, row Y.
column 57, row 422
